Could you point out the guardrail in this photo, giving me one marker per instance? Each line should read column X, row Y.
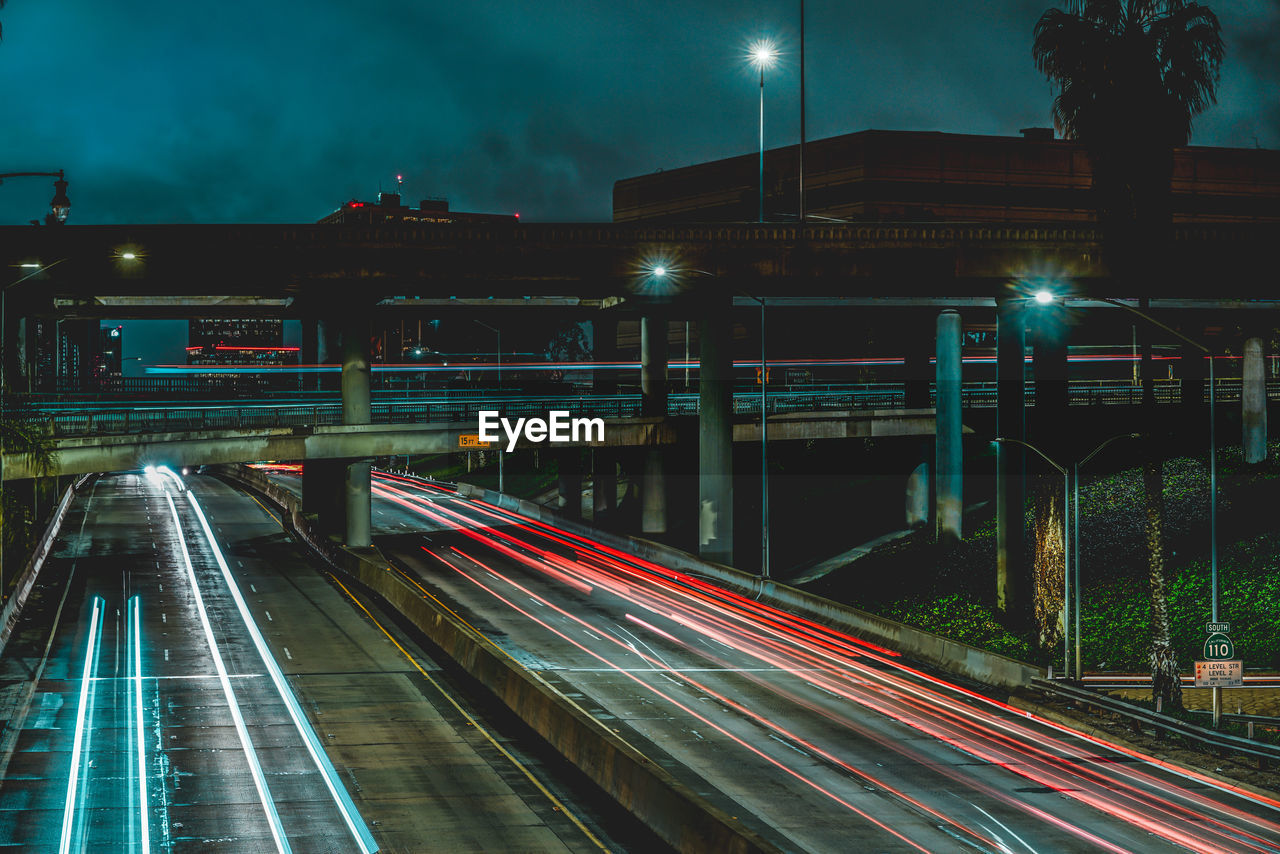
column 85, row 418
column 1207, row 737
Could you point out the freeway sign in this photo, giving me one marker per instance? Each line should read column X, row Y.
column 1219, row 648
column 1217, row 628
column 1220, row 674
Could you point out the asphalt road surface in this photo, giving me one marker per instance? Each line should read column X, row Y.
column 158, row 699
column 818, row 740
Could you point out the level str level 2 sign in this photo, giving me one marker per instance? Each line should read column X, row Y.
column 1220, row 674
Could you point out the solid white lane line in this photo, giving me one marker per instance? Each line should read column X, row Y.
column 73, row 777
column 340, row 797
column 259, row 780
column 142, row 750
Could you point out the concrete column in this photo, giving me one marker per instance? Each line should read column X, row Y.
column 653, row 493
column 917, row 503
column 604, row 483
column 654, row 352
column 1253, row 399
column 604, row 348
column 358, row 504
column 653, row 365
column 569, row 483
column 949, row 465
column 328, row 350
column 715, row 437
column 356, row 410
column 1013, row 584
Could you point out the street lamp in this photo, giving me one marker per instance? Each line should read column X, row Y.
column 498, row 332
column 1075, row 516
column 1066, row 547
column 764, row 448
column 1046, row 296
column 763, row 55
column 59, row 205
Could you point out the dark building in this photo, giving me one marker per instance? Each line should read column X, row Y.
column 928, row 176
column 229, row 341
column 108, row 364
column 389, row 211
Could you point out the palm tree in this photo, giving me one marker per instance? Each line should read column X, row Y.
column 1130, row 77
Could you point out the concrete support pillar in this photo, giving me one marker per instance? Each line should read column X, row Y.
column 604, row 348
column 654, row 352
column 949, row 464
column 917, row 503
column 1013, row 583
column 653, row 365
column 1253, row 400
column 569, row 483
column 328, row 350
column 356, row 410
column 653, row 493
column 604, row 483
column 715, row 437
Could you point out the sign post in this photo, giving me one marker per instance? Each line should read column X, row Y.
column 1220, row 667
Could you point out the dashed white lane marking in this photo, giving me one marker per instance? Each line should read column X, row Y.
column 287, row 655
column 254, row 589
column 268, row 613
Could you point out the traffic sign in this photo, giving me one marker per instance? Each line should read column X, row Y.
column 1217, row 628
column 1220, row 674
column 1219, row 648
column 472, row 440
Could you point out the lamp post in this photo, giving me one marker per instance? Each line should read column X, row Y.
column 1045, row 296
column 763, row 55
column 501, row 452
column 60, row 205
column 1075, row 518
column 764, row 448
column 1066, row 548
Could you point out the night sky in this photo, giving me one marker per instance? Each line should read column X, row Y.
column 278, row 111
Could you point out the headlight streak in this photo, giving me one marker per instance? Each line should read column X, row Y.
column 927, row 701
column 722, row 599
column 355, row 824
column 255, row 768
column 77, row 743
column 135, row 611
column 686, row 709
column 759, row 719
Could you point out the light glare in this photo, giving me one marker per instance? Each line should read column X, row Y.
column 763, row 54
column 1044, row 297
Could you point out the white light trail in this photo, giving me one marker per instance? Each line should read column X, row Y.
column 136, row 618
column 73, row 778
column 340, row 797
column 259, row 780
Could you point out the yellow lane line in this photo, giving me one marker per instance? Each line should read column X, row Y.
column 555, row 802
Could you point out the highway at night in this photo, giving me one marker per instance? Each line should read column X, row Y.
column 192, row 682
column 810, row 737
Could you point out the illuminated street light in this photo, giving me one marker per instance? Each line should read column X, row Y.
column 1044, row 297
column 128, row 256
column 763, row 55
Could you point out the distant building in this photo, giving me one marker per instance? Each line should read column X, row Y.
column 108, row 363
column 918, row 176
column 231, row 341
column 389, row 211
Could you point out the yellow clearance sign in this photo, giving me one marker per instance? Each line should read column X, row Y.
column 472, row 440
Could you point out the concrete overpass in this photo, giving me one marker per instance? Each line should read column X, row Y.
column 337, row 278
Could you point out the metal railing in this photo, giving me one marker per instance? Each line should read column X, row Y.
column 81, row 418
column 1207, row 737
